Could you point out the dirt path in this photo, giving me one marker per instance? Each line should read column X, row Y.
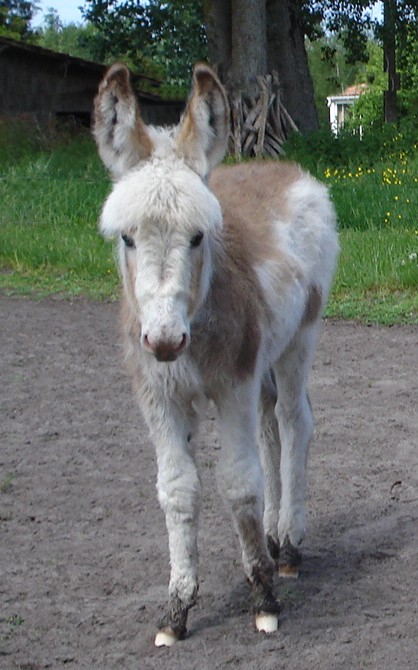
column 83, row 549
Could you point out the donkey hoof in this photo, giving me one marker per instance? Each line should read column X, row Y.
column 165, row 637
column 290, row 560
column 267, row 622
column 288, row 571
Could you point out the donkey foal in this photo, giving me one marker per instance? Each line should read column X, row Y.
column 225, row 278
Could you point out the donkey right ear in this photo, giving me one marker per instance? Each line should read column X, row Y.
column 121, row 135
column 203, row 131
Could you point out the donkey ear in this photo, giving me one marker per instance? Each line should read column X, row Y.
column 121, row 135
column 203, row 132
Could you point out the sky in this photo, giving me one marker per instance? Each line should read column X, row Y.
column 67, row 10
column 69, row 13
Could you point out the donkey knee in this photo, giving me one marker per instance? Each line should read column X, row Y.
column 241, row 480
column 179, row 493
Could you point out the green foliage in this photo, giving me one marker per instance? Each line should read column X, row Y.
column 349, row 21
column 330, row 71
column 15, row 18
column 158, row 38
column 71, row 38
column 368, row 110
column 351, row 30
column 323, row 150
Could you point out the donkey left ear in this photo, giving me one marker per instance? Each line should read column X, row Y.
column 121, row 135
column 203, row 132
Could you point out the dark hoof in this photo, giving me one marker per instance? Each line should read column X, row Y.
column 273, row 547
column 290, row 560
column 172, row 626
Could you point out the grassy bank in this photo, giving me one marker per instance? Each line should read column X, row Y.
column 51, row 192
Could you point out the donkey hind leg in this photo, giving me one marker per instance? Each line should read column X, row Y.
column 295, row 422
column 269, row 443
column 240, row 482
column 179, row 489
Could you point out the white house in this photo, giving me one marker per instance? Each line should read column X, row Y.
column 339, row 105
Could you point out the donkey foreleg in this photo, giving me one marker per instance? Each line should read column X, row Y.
column 178, row 487
column 240, row 481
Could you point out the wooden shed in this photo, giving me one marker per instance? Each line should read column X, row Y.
column 44, row 83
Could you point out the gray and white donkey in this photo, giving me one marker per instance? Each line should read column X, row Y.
column 225, row 278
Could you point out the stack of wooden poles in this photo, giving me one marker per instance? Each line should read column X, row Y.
column 260, row 124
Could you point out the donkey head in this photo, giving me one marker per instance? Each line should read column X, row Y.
column 160, row 206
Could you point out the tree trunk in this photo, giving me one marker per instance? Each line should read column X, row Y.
column 248, row 45
column 389, row 48
column 217, row 15
column 287, row 55
column 250, row 41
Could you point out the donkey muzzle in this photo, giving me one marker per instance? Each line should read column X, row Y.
column 165, row 351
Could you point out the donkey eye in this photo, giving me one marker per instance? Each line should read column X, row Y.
column 129, row 242
column 196, row 239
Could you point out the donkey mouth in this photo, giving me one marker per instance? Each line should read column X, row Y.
column 166, row 357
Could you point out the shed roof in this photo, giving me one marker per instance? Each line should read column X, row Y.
column 7, row 43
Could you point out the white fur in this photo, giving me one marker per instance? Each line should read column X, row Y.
column 172, row 290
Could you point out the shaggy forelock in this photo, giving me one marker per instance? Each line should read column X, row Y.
column 157, row 191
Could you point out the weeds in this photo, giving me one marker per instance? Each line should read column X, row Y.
column 6, row 484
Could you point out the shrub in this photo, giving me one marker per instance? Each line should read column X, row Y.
column 323, row 150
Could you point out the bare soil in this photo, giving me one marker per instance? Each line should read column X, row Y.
column 83, row 547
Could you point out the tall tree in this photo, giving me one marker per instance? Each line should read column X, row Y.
column 15, row 18
column 248, row 44
column 164, row 38
column 249, row 38
column 287, row 54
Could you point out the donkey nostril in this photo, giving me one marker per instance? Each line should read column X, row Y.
column 146, row 343
column 183, row 343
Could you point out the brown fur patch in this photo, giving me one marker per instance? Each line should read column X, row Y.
column 236, row 303
column 255, row 194
column 230, row 340
column 142, row 140
column 290, row 556
column 195, row 284
column 252, row 534
column 247, row 354
column 313, row 305
column 117, row 77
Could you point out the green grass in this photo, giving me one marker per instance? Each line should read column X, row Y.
column 52, row 189
column 50, row 199
column 6, row 483
column 377, row 277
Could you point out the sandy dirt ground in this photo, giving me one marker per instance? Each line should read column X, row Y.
column 83, row 547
